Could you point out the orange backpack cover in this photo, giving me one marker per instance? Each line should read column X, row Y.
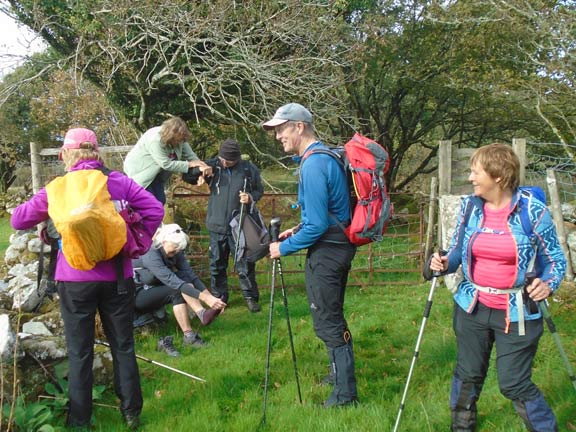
column 90, row 227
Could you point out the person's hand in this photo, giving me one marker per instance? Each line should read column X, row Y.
column 201, row 181
column 210, row 300
column 288, row 233
column 274, row 250
column 439, row 263
column 538, row 290
column 203, row 166
column 206, row 170
column 245, row 198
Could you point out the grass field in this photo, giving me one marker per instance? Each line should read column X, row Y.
column 5, row 233
column 384, row 320
column 385, row 324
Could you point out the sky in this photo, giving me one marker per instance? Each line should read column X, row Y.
column 16, row 42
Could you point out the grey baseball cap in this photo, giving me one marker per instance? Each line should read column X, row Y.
column 288, row 112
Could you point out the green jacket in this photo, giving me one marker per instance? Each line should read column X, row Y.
column 149, row 156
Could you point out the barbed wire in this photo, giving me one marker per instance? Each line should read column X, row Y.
column 543, row 156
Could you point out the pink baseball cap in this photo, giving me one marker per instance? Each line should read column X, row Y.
column 76, row 137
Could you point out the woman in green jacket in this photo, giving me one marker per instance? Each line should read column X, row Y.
column 161, row 151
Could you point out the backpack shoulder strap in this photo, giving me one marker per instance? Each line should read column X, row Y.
column 328, row 152
column 524, row 207
column 338, row 157
column 105, row 171
column 467, row 213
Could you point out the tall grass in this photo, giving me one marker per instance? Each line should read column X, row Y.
column 5, row 232
column 385, row 323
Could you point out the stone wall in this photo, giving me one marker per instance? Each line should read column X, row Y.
column 31, row 328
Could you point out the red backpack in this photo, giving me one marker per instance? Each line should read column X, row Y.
column 365, row 163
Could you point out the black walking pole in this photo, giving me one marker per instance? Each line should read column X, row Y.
column 147, row 360
column 274, row 231
column 425, row 316
column 285, row 301
column 240, row 223
column 530, row 276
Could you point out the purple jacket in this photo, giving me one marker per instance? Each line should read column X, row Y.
column 121, row 188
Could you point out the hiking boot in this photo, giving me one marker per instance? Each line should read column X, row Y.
column 193, row 339
column 209, row 315
column 166, row 344
column 331, row 404
column 132, row 421
column 143, row 319
column 253, row 305
column 160, row 315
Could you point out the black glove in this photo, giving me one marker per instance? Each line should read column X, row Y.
column 192, row 175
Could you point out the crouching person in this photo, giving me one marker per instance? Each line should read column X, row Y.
column 165, row 276
column 99, row 284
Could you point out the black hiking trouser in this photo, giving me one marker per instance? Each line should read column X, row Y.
column 476, row 334
column 220, row 247
column 79, row 302
column 151, row 297
column 327, row 267
column 157, row 186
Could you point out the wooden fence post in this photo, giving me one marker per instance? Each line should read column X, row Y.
column 444, row 167
column 559, row 220
column 431, row 217
column 519, row 147
column 444, row 174
column 36, row 167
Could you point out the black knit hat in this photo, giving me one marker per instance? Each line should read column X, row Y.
column 230, row 150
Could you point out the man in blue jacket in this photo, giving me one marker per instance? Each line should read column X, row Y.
column 325, row 209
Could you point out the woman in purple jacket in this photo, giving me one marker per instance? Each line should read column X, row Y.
column 82, row 292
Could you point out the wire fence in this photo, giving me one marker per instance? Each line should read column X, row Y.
column 543, row 156
column 395, row 260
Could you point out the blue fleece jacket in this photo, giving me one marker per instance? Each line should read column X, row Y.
column 322, row 197
column 550, row 260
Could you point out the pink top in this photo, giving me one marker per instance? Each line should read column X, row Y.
column 494, row 259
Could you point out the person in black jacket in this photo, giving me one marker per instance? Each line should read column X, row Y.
column 234, row 182
column 163, row 275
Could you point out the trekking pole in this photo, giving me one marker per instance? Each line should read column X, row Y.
column 147, row 360
column 425, row 316
column 274, row 233
column 285, row 301
column 530, row 276
column 240, row 223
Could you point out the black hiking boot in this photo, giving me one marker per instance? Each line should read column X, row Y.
column 166, row 344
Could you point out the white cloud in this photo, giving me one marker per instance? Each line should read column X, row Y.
column 16, row 43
